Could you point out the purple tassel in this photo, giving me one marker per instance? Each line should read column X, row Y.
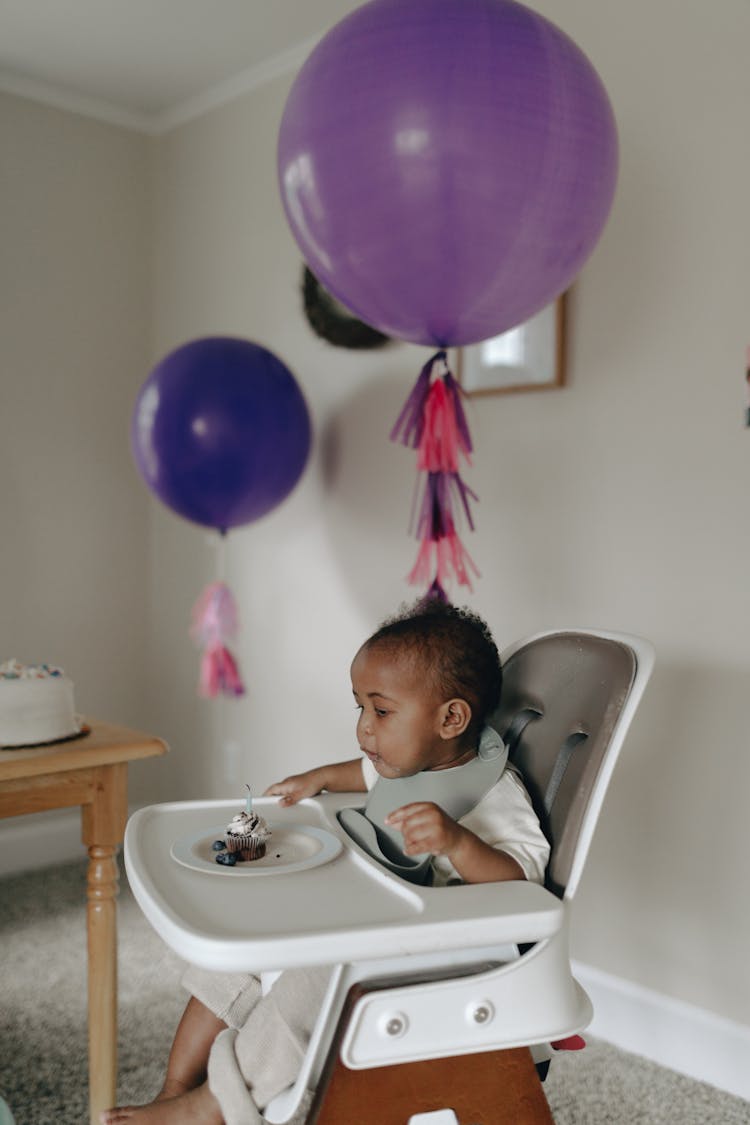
column 436, row 517
column 464, row 493
column 436, row 593
column 410, row 422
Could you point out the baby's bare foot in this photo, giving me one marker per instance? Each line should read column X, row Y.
column 196, row 1107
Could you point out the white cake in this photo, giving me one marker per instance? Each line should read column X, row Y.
column 36, row 704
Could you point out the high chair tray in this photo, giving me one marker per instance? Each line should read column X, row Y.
column 344, row 909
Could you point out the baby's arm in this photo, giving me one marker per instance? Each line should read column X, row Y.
column 426, row 828
column 338, row 777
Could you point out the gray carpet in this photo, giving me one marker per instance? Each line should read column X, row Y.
column 43, row 1043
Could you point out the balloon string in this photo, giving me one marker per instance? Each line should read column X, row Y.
column 221, row 558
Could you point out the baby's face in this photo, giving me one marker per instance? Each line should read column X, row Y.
column 400, row 717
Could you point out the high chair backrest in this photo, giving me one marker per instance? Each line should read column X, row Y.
column 567, row 701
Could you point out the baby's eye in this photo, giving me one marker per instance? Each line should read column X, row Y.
column 381, row 712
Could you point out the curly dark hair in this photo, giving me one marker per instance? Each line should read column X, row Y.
column 454, row 647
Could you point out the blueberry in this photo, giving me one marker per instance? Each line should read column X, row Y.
column 227, row 858
column 218, row 845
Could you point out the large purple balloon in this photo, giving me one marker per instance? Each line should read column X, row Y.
column 220, row 431
column 446, row 166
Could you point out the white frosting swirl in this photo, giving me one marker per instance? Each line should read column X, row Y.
column 248, row 824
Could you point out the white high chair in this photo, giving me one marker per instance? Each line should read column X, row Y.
column 438, row 993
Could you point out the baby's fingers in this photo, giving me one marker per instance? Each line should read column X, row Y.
column 274, row 790
column 287, row 792
column 424, row 827
column 400, row 816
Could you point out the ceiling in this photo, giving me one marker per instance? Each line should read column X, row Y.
column 150, row 63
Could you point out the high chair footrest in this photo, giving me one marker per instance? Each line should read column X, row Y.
column 490, row 1088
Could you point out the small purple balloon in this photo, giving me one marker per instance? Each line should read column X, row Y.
column 221, row 431
column 446, row 166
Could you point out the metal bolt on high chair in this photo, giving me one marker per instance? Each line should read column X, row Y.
column 443, row 1001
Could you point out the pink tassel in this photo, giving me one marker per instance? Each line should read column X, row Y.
column 442, row 439
column 455, row 391
column 447, row 558
column 215, row 621
column 219, row 674
column 433, row 421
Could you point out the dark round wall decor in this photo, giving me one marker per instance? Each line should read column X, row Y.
column 332, row 321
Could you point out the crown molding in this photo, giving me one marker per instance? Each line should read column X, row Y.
column 235, row 87
column 63, row 99
column 155, row 124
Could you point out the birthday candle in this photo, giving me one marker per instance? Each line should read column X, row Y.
column 248, row 800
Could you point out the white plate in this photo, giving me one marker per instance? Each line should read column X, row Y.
column 288, row 849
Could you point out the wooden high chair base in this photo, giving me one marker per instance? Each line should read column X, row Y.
column 486, row 1088
column 494, row 1088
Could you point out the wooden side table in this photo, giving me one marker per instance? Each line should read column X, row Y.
column 90, row 771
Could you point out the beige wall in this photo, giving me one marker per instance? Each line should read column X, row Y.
column 619, row 501
column 75, row 309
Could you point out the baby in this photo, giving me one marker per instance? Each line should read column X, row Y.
column 425, row 685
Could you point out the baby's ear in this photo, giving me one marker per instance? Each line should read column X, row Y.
column 456, row 716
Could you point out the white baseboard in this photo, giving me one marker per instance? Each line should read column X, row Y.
column 674, row 1034
column 681, row 1036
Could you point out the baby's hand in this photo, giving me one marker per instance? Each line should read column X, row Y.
column 425, row 828
column 295, row 788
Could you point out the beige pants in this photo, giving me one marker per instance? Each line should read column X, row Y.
column 260, row 1053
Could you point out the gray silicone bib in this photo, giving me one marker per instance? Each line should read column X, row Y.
column 456, row 790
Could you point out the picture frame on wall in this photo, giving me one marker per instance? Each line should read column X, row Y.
column 530, row 357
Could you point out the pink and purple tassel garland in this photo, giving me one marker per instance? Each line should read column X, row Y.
column 433, row 422
column 214, row 623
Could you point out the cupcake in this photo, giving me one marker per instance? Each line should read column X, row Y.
column 246, row 835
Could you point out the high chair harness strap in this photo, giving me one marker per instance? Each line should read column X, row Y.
column 512, row 737
column 517, row 726
column 561, row 764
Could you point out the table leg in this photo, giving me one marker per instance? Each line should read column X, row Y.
column 102, row 883
column 103, row 829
